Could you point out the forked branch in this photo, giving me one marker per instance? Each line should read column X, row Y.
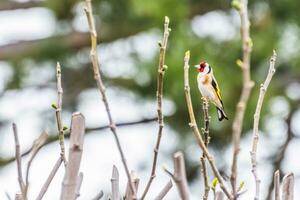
column 263, row 89
column 159, row 98
column 100, row 85
column 195, row 129
column 246, row 90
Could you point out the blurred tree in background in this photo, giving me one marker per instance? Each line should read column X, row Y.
column 210, row 29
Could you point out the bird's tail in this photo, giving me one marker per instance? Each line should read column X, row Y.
column 221, row 114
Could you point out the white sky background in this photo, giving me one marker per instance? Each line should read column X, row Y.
column 100, row 152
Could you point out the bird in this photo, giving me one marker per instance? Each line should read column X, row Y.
column 209, row 88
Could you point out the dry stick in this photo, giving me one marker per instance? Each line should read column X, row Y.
column 263, row 89
column 247, row 87
column 206, row 141
column 49, row 179
column 164, row 191
column 98, row 79
column 68, row 191
column 195, row 129
column 277, row 185
column 37, row 144
column 98, row 196
column 19, row 162
column 58, row 113
column 115, row 192
column 288, row 187
column 159, row 97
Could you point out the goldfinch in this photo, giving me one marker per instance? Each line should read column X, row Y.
column 209, row 88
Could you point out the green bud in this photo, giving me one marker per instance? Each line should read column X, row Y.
column 165, row 67
column 169, row 29
column 214, row 183
column 242, row 184
column 236, row 4
column 239, row 63
column 250, row 42
column 54, row 106
column 65, row 128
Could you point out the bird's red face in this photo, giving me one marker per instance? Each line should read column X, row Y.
column 201, row 66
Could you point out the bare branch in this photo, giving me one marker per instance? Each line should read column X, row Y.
column 159, row 93
column 98, row 79
column 8, row 196
column 69, row 184
column 54, row 138
column 98, row 196
column 277, row 185
column 206, row 142
column 164, row 191
column 288, row 187
column 49, row 179
column 37, row 144
column 194, row 127
column 115, row 191
column 19, row 162
column 128, row 194
column 58, row 113
column 263, row 89
column 247, row 87
column 180, row 176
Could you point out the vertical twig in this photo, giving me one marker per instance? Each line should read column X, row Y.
column 19, row 162
column 49, row 179
column 194, row 126
column 100, row 85
column 159, row 96
column 205, row 131
column 115, row 184
column 37, row 144
column 288, row 187
column 247, row 87
column 180, row 176
column 58, row 113
column 135, row 180
column 164, row 191
column 277, row 185
column 70, row 181
column 263, row 89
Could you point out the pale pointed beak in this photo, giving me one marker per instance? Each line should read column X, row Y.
column 197, row 66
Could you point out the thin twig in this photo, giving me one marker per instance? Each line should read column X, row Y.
column 277, row 185
column 220, row 195
column 58, row 113
column 263, row 89
column 288, row 187
column 115, row 191
column 19, row 162
column 8, row 196
column 247, row 87
column 98, row 79
column 37, row 144
column 159, row 95
column 195, row 129
column 98, row 196
column 49, row 179
column 164, row 191
column 206, row 142
column 70, row 181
